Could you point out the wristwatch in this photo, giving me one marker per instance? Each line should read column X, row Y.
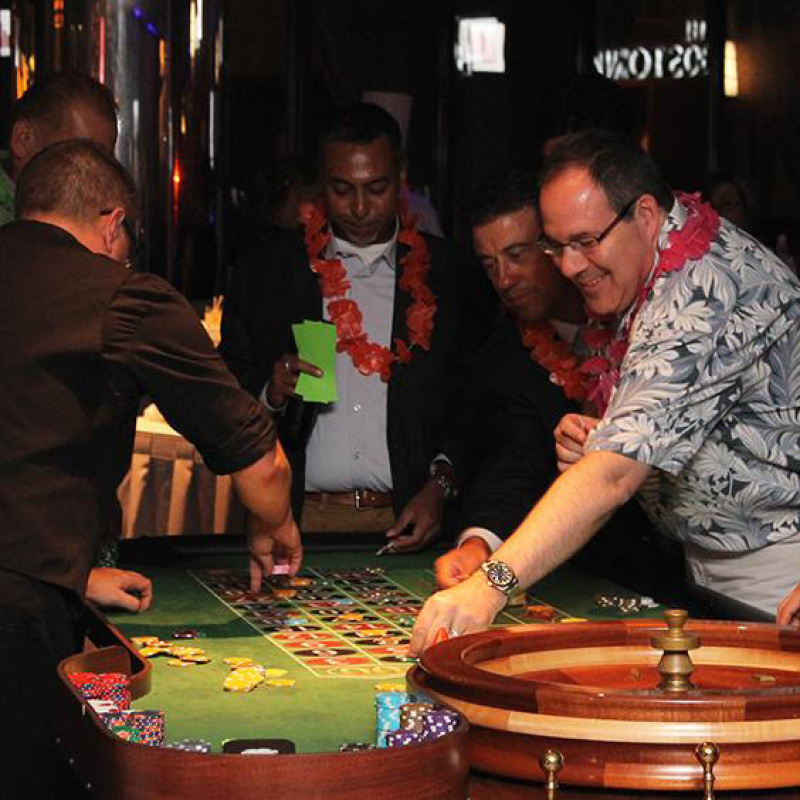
column 500, row 576
column 440, row 477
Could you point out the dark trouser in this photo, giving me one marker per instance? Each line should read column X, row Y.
column 39, row 625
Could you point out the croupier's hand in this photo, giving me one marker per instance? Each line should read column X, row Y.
column 570, row 435
column 120, row 589
column 789, row 609
column 458, row 564
column 468, row 607
column 272, row 545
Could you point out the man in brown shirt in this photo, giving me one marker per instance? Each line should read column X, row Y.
column 82, row 340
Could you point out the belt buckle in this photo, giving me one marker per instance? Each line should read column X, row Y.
column 358, row 495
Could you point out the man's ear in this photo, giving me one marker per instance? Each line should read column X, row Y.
column 111, row 229
column 648, row 214
column 402, row 172
column 22, row 142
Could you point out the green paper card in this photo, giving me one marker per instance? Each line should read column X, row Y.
column 316, row 344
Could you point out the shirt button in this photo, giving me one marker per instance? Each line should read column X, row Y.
column 357, row 407
column 356, row 455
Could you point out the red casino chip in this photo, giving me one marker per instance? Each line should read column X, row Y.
column 333, row 661
column 300, row 636
column 330, row 652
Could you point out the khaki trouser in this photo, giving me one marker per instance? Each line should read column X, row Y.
column 760, row 578
column 322, row 517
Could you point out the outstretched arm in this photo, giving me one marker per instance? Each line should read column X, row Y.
column 273, row 535
column 573, row 509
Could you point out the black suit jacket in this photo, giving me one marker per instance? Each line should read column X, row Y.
column 273, row 287
column 513, row 411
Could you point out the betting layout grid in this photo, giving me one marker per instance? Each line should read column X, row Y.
column 336, row 623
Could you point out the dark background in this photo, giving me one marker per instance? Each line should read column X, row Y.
column 275, row 67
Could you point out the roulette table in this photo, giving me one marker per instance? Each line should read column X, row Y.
column 335, row 642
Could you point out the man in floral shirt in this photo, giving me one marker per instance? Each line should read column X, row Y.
column 702, row 381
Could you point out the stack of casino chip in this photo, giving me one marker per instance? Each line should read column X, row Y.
column 423, row 722
column 108, row 686
column 412, row 714
column 148, row 726
column 244, row 678
column 401, row 738
column 387, row 711
column 191, row 745
column 354, row 747
column 439, row 722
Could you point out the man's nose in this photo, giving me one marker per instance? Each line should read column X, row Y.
column 570, row 262
column 360, row 207
column 506, row 275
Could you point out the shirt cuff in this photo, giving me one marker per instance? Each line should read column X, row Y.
column 492, row 540
column 263, row 398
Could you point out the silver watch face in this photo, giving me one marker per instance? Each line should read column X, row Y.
column 500, row 575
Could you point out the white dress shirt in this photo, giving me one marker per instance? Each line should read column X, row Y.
column 348, row 447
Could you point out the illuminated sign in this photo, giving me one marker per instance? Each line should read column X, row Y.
column 641, row 63
column 688, row 60
column 5, row 32
column 480, row 46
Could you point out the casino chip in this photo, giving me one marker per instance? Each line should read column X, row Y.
column 626, row 604
column 185, row 633
column 234, row 662
column 143, row 641
column 191, row 745
column 244, row 679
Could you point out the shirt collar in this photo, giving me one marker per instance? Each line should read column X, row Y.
column 369, row 255
column 674, row 220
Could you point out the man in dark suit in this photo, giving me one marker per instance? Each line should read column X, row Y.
column 368, row 461
column 523, row 384
column 514, row 403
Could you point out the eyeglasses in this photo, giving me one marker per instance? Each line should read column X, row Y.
column 134, row 240
column 584, row 244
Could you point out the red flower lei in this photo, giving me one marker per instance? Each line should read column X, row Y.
column 687, row 243
column 556, row 356
column 593, row 380
column 369, row 357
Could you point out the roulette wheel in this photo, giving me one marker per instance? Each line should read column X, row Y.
column 627, row 704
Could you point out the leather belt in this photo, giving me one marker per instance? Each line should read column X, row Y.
column 358, row 498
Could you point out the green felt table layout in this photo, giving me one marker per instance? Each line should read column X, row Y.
column 336, row 664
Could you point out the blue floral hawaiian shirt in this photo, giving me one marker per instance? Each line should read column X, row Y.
column 709, row 395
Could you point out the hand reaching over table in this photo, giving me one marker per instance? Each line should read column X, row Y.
column 458, row 564
column 270, row 545
column 272, row 534
column 470, row 606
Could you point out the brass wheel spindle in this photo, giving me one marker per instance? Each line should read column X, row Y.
column 707, row 753
column 675, row 665
column 551, row 762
